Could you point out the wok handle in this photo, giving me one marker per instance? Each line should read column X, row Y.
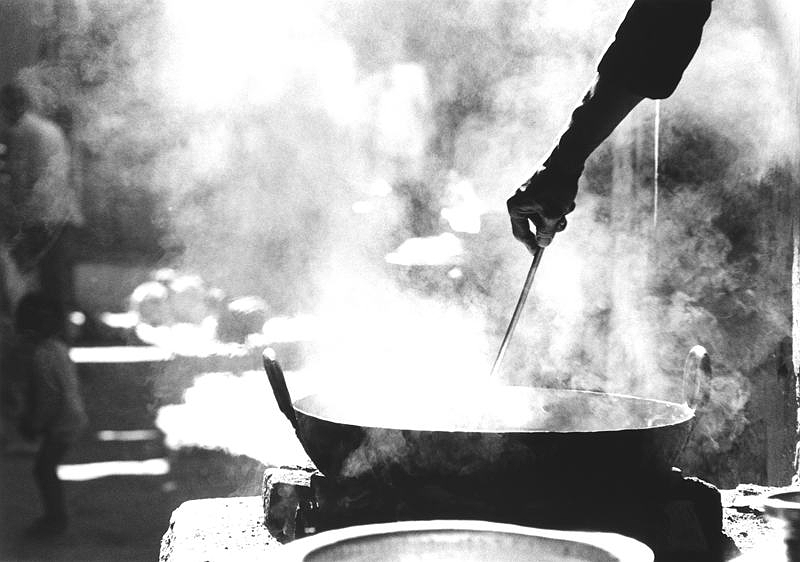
column 696, row 374
column 278, row 383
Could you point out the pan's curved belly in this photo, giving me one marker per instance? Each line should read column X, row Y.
column 498, row 433
column 500, row 409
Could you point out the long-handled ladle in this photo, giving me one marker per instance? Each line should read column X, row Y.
column 537, row 257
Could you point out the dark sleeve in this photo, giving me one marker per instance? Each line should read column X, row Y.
column 654, row 44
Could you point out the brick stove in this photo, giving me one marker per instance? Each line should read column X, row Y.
column 678, row 517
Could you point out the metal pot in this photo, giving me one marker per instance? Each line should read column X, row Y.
column 463, row 541
column 783, row 510
column 492, row 433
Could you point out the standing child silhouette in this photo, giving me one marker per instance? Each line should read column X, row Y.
column 55, row 411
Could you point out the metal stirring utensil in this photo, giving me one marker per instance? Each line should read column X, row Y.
column 537, row 257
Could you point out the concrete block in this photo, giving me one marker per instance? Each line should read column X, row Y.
column 217, row 530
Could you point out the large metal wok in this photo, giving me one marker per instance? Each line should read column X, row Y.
column 491, row 433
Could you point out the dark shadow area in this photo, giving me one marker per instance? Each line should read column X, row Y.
column 121, row 517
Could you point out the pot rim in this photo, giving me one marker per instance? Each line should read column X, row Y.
column 778, row 504
column 625, row 548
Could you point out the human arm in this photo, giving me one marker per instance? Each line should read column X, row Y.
column 651, row 49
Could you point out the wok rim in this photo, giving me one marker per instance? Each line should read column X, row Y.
column 688, row 414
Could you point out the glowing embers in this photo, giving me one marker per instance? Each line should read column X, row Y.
column 94, row 470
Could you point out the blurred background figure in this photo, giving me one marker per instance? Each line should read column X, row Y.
column 54, row 411
column 39, row 208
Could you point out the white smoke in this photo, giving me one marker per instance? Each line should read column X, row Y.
column 275, row 136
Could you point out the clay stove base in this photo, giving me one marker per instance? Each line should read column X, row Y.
column 228, row 529
column 681, row 519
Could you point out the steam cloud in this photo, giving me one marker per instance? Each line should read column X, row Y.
column 275, row 139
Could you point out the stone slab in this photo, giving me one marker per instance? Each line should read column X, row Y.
column 745, row 523
column 217, row 530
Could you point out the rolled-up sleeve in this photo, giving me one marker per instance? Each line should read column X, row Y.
column 654, row 44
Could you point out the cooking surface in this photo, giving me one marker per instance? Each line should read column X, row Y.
column 505, row 409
